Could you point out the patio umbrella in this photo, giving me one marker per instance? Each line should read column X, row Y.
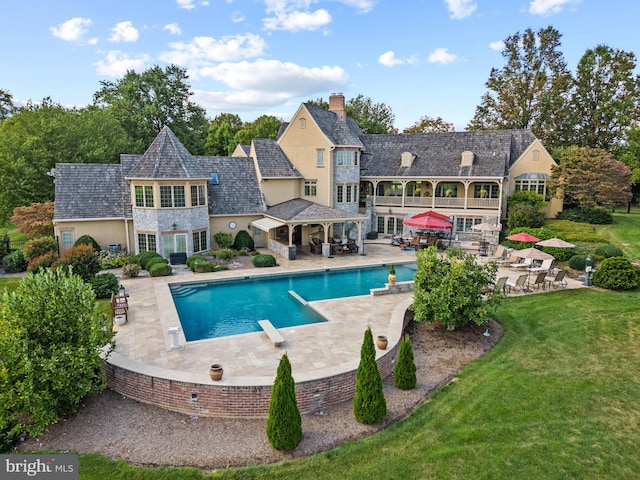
column 523, row 237
column 555, row 242
column 486, row 227
column 533, row 253
column 428, row 222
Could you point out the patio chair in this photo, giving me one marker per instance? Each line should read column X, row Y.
column 507, row 261
column 353, row 247
column 539, row 283
column 315, row 245
column 558, row 280
column 120, row 308
column 521, row 263
column 499, row 253
column 518, row 285
column 545, row 266
column 501, row 284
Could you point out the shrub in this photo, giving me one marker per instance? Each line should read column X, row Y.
column 202, row 266
column 87, row 240
column 193, row 259
column 151, row 261
column 616, row 273
column 14, row 262
column 243, row 241
column 83, row 259
column 114, row 260
column 284, row 423
column 40, row 246
column 223, row 239
column 525, row 216
column 369, row 404
column 263, row 260
column 224, row 254
column 577, row 262
column 142, row 257
column 606, row 251
column 404, row 374
column 131, row 270
column 526, row 197
column 594, row 216
column 104, row 285
column 219, row 268
column 51, row 357
column 160, row 270
column 41, row 263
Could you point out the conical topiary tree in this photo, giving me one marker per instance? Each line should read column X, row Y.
column 404, row 375
column 369, row 404
column 284, row 424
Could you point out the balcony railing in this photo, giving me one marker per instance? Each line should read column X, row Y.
column 442, row 202
column 482, row 203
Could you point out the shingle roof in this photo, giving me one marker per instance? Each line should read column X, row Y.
column 299, row 210
column 339, row 131
column 166, row 157
column 238, row 191
column 272, row 161
column 87, row 190
column 440, row 154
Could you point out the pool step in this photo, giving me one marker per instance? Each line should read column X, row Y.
column 181, row 292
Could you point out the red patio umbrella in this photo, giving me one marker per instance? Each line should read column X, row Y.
column 428, row 221
column 523, row 237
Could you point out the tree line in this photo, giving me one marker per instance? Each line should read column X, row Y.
column 593, row 113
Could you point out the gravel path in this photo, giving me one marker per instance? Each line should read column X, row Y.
column 117, row 427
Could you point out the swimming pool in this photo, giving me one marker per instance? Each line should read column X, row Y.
column 222, row 308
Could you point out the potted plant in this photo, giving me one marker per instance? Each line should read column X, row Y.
column 392, row 274
column 483, row 193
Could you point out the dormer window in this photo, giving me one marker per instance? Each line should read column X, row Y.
column 407, row 159
column 467, row 159
column 303, row 123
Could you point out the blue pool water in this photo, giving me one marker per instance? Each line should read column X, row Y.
column 222, row 308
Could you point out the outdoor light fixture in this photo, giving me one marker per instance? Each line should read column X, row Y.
column 485, row 342
column 175, row 226
column 588, row 271
column 121, row 291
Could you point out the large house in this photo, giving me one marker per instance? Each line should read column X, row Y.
column 321, row 178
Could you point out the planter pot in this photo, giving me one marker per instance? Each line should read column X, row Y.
column 381, row 342
column 215, row 372
column 120, row 320
column 392, row 279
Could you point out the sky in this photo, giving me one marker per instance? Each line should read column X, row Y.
column 265, row 57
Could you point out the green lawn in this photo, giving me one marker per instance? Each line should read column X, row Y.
column 556, row 398
column 624, row 233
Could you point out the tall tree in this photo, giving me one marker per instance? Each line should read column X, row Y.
column 604, row 100
column 266, row 126
column 284, row 423
column 145, row 102
column 590, row 177
column 35, row 220
column 529, row 91
column 369, row 404
column 371, row 117
column 428, row 124
column 221, row 132
column 39, row 135
column 7, row 108
column 629, row 153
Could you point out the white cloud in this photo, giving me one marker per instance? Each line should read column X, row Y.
column 204, row 50
column 296, row 20
column 548, row 7
column 186, row 4
column 237, row 17
column 124, row 32
column 363, row 6
column 389, row 59
column 461, row 8
column 497, row 46
column 172, row 28
column 117, row 63
column 276, row 77
column 72, row 30
column 442, row 55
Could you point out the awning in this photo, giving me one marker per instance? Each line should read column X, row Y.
column 267, row 224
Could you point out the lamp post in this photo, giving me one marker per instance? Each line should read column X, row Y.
column 485, row 342
column 121, row 291
column 588, row 270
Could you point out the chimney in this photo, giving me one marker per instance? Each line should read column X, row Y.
column 336, row 105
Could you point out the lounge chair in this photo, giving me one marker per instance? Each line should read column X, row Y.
column 545, row 266
column 558, row 280
column 500, row 285
column 539, row 283
column 507, row 261
column 521, row 263
column 518, row 285
column 498, row 254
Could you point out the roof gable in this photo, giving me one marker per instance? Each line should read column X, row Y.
column 272, row 161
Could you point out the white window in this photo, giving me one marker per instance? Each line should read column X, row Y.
column 345, row 158
column 535, row 155
column 200, row 241
column 173, row 243
column 319, row 158
column 197, row 195
column 172, row 196
column 144, row 196
column 532, row 185
column 464, row 224
column 303, row 123
column 340, row 194
column 310, row 188
column 146, row 242
column 67, row 239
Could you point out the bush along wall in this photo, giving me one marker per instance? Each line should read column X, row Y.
column 616, row 273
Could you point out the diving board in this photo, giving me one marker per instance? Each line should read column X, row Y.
column 271, row 332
